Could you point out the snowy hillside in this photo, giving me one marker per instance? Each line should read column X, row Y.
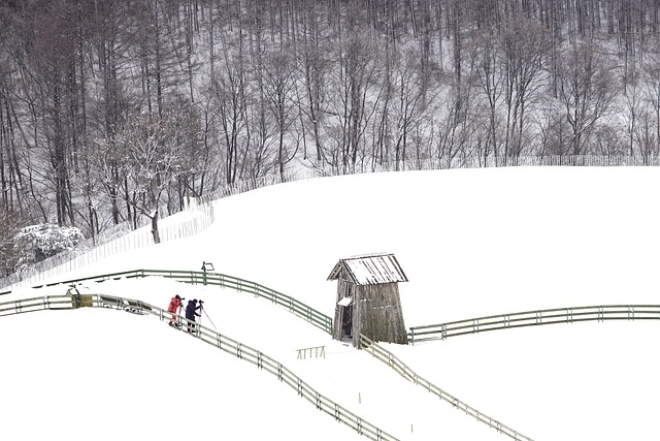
column 472, row 242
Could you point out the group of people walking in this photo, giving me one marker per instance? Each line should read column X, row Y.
column 176, row 303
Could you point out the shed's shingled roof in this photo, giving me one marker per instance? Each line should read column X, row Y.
column 373, row 269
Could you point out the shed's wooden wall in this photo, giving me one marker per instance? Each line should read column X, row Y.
column 376, row 311
column 380, row 316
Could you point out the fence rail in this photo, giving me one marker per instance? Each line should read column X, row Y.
column 442, row 331
column 203, row 333
column 415, row 335
column 402, row 369
column 35, row 304
column 315, row 352
column 294, row 306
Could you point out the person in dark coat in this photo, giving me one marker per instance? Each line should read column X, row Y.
column 192, row 314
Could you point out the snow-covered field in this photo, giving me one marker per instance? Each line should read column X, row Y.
column 472, row 243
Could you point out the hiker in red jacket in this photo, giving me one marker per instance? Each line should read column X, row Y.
column 175, row 304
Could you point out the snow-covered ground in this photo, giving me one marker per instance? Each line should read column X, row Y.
column 472, row 243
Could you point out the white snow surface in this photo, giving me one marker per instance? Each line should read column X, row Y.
column 472, row 243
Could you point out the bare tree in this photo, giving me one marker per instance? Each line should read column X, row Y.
column 51, row 70
column 525, row 46
column 410, row 87
column 112, row 99
column 651, row 75
column 554, row 131
column 197, row 155
column 489, row 74
column 353, row 107
column 314, row 66
column 11, row 169
column 150, row 158
column 632, row 106
column 586, row 88
column 278, row 82
column 229, row 89
column 262, row 127
column 161, row 48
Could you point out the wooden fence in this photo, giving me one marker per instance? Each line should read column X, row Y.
column 402, row 369
column 229, row 345
column 442, row 331
column 294, row 306
column 416, row 334
column 35, row 304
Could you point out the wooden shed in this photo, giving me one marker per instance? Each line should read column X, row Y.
column 368, row 300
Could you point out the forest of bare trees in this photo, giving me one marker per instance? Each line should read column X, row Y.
column 111, row 108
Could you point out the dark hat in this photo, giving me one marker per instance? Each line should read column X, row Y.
column 178, row 296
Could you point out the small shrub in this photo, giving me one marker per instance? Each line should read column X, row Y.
column 38, row 242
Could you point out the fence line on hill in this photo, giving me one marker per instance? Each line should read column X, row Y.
column 294, row 306
column 69, row 261
column 442, row 331
column 402, row 369
column 132, row 240
column 207, row 335
column 416, row 334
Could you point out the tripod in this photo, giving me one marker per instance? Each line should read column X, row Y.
column 201, row 304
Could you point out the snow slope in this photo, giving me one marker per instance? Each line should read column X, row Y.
column 472, row 243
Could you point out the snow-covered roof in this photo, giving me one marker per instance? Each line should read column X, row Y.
column 372, row 269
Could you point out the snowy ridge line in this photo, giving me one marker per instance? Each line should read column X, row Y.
column 402, row 369
column 294, row 306
column 231, row 346
column 63, row 263
column 600, row 313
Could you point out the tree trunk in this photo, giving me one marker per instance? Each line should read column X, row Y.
column 154, row 227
